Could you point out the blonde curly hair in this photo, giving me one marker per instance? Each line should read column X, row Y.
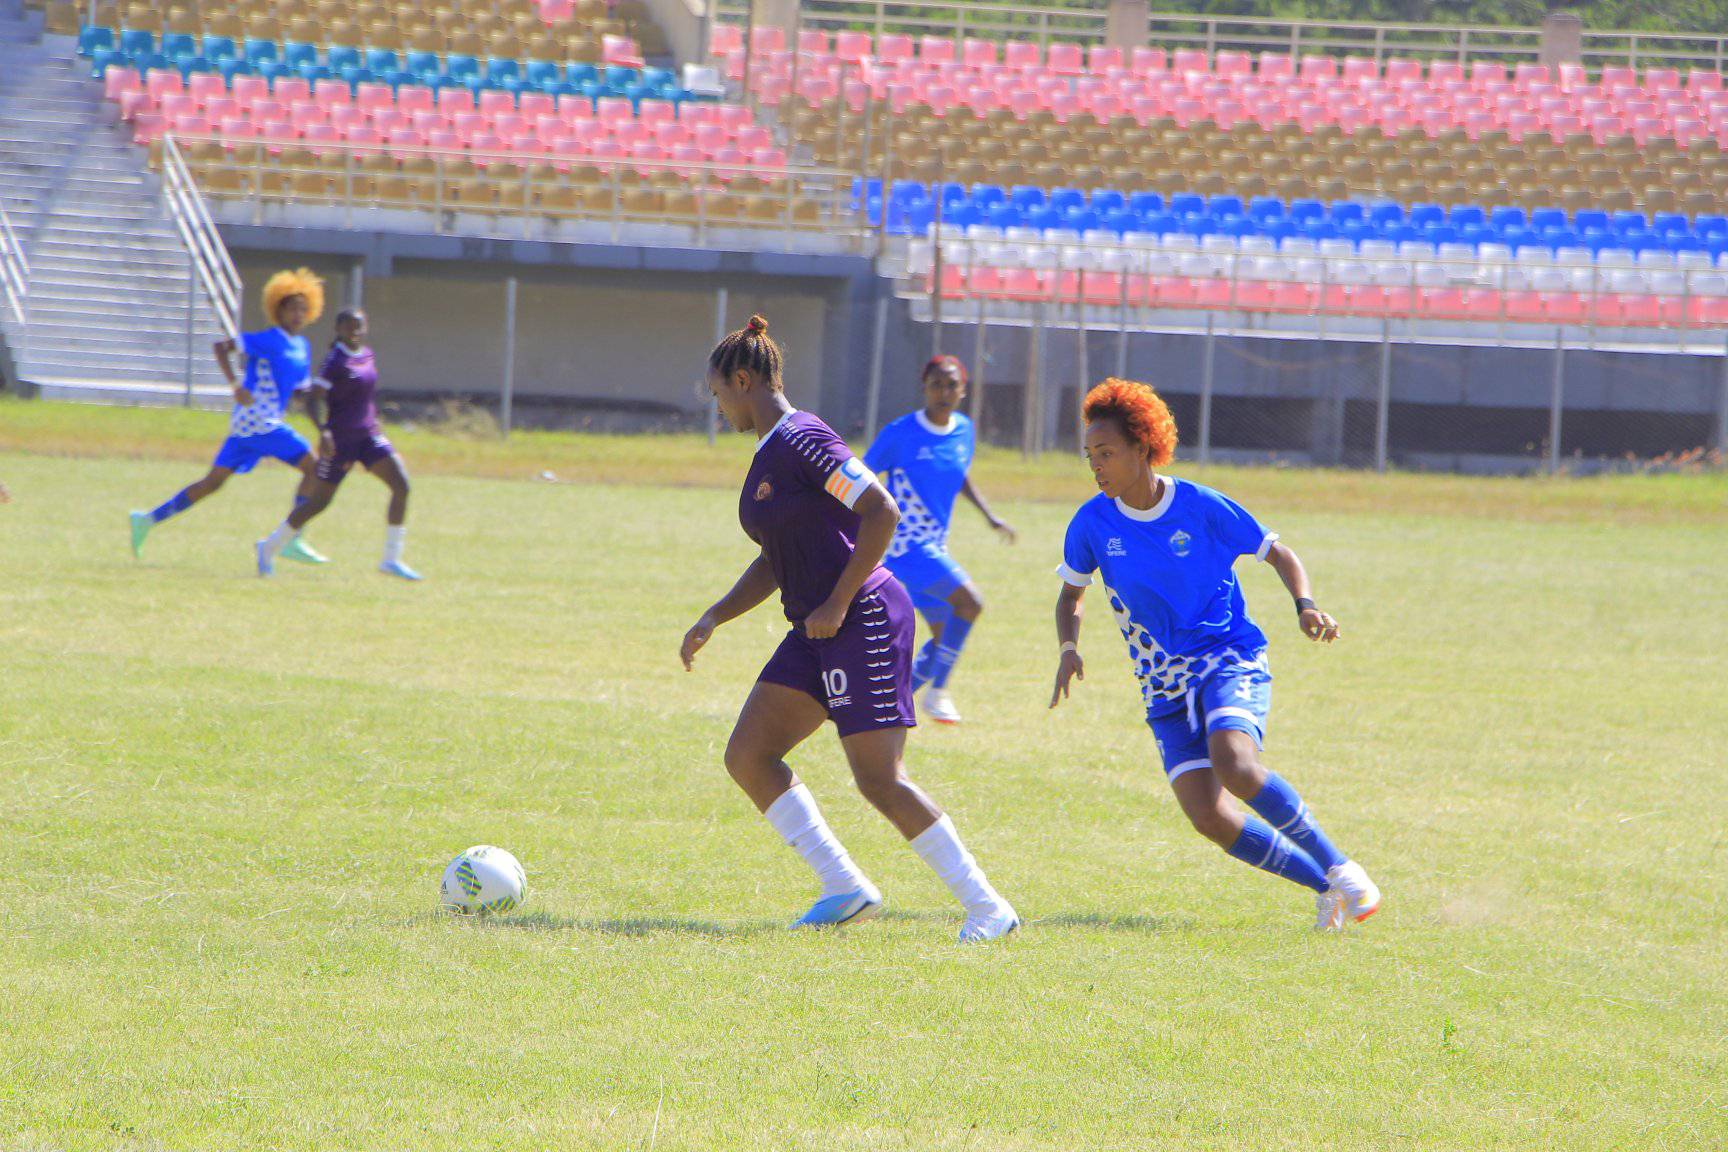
column 301, row 282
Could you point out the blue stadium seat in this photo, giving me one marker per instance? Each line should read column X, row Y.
column 461, row 68
column 136, row 42
column 188, row 65
column 1669, row 223
column 1543, row 219
column 1238, row 226
column 1224, row 207
column 962, row 215
column 985, row 195
column 1081, row 219
column 542, row 72
column 1348, row 212
column 258, row 51
column 1629, row 223
column 616, row 77
column 1465, row 215
column 220, row 48
column 1590, row 218
column 1710, row 226
column 1004, row 215
column 297, row 55
column 101, row 59
column 1264, row 208
column 1143, row 202
column 178, row 44
column 382, row 60
column 1506, row 217
column 498, row 68
column 1107, row 200
column 1025, row 196
column 1062, row 199
column 1401, row 232
column 92, row 38
column 340, row 57
column 1302, row 211
column 271, row 70
column 311, row 73
column 1426, row 215
column 581, row 73
column 1122, row 220
column 1186, row 204
column 1044, row 217
column 1385, row 214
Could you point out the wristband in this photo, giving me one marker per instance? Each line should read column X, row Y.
column 1303, row 604
column 1070, row 646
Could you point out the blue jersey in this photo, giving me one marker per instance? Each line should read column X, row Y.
column 1169, row 571
column 923, row 466
column 276, row 365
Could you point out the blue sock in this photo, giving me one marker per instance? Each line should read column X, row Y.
column 938, row 615
column 953, row 639
column 1276, row 853
column 176, row 503
column 1278, row 804
column 923, row 664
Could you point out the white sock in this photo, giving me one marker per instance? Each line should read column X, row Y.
column 795, row 816
column 278, row 539
column 395, row 535
column 939, row 846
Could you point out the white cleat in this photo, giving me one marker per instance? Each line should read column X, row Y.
column 1329, row 911
column 940, row 707
column 991, row 925
column 266, row 562
column 1361, row 895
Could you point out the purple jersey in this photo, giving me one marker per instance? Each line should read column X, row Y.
column 351, row 380
column 797, row 504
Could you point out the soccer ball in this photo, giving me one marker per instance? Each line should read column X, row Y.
column 483, row 880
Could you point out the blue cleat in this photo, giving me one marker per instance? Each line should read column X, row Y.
column 266, row 562
column 397, row 568
column 298, row 549
column 846, row 908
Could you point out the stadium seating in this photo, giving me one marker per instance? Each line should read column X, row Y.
column 1252, row 126
column 591, row 31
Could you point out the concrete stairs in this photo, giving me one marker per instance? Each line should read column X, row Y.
column 111, row 310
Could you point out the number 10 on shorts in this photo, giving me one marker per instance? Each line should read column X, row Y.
column 834, row 683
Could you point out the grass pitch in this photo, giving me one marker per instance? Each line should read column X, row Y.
column 226, row 804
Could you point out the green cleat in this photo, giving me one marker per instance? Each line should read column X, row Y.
column 141, row 525
column 298, row 549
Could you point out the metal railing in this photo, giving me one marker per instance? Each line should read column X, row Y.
column 14, row 270
column 208, row 255
column 518, row 192
column 1044, row 24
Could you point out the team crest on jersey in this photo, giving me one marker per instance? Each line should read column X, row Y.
column 1179, row 542
column 764, row 489
column 1113, row 547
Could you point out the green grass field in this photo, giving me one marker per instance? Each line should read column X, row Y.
column 227, row 803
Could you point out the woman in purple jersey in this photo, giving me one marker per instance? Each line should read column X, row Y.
column 349, row 434
column 823, row 524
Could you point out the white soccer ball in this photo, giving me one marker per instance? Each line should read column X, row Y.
column 483, row 880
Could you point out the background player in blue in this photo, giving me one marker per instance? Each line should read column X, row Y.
column 278, row 361
column 822, row 523
column 924, row 458
column 1166, row 549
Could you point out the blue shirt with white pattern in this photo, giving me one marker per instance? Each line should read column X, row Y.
column 923, row 465
column 276, row 365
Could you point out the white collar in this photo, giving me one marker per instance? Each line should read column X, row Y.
column 790, row 412
column 936, row 429
column 286, row 335
column 1157, row 509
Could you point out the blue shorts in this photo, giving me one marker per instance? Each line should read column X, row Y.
column 242, row 453
column 1236, row 695
column 930, row 575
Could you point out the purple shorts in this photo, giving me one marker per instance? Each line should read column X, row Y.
column 863, row 674
column 365, row 449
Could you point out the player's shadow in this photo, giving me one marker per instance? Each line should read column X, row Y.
column 636, row 925
column 1137, row 924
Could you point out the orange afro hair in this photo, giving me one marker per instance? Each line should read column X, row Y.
column 1144, row 416
column 300, row 282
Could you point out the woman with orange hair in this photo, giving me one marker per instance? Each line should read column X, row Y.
column 278, row 362
column 1167, row 549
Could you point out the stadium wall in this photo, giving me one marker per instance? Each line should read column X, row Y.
column 605, row 336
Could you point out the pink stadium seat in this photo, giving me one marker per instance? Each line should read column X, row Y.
column 1400, row 70
column 319, row 134
column 936, row 50
column 574, row 108
column 1065, row 59
column 1662, row 80
column 291, row 88
column 894, row 46
column 612, row 109
column 851, row 46
column 205, row 86
column 1446, row 73
column 1700, row 80
column 532, row 104
column 1227, row 64
column 132, row 103
column 621, row 51
column 1102, row 58
column 813, row 42
column 329, row 93
column 1358, row 69
column 1275, row 66
column 1318, row 68
column 117, row 81
column 491, row 102
column 1145, row 61
column 1019, row 54
column 386, row 119
column 726, row 39
column 1194, row 60
column 508, row 124
column 160, row 82
column 374, row 96
column 412, row 98
column 237, row 128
